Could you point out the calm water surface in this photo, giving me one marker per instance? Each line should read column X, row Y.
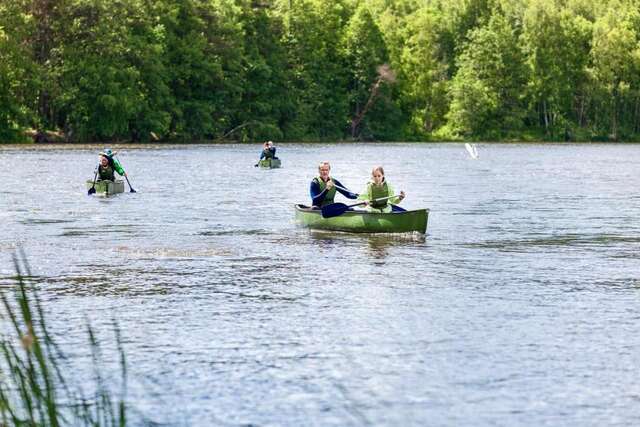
column 521, row 305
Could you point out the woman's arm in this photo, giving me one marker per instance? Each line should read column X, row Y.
column 397, row 199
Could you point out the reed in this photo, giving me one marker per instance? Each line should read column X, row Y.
column 35, row 387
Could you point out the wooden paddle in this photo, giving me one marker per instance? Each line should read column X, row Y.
column 337, row 209
column 93, row 187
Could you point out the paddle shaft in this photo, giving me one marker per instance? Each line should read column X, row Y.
column 374, row 200
column 93, row 186
column 337, row 209
column 131, row 190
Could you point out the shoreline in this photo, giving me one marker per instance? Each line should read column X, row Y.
column 176, row 145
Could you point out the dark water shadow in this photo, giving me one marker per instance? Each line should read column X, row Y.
column 236, row 232
column 556, row 241
column 35, row 221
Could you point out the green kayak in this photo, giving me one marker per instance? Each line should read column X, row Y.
column 269, row 163
column 107, row 188
column 358, row 221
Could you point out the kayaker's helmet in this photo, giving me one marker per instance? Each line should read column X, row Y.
column 108, row 153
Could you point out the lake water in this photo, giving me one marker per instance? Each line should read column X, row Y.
column 521, row 305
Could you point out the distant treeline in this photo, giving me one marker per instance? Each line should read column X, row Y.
column 246, row 70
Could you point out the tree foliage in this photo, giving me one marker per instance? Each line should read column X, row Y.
column 102, row 70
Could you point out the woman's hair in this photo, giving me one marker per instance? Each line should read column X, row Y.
column 379, row 169
column 325, row 163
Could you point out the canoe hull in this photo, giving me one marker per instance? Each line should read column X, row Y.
column 107, row 188
column 270, row 163
column 364, row 222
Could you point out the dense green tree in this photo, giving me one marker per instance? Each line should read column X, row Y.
column 616, row 70
column 369, row 77
column 423, row 75
column 487, row 90
column 110, row 76
column 266, row 78
column 318, row 82
column 204, row 61
column 319, row 69
column 16, row 86
column 557, row 46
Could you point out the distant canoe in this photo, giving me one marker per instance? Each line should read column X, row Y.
column 364, row 222
column 107, row 188
column 270, row 163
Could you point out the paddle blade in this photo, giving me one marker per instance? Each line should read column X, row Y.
column 131, row 190
column 91, row 191
column 334, row 209
column 472, row 150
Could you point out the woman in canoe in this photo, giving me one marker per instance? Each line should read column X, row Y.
column 379, row 188
column 109, row 165
column 323, row 187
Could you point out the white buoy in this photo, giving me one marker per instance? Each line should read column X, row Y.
column 472, row 150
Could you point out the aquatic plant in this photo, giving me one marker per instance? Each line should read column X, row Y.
column 35, row 386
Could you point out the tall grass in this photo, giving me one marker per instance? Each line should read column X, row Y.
column 35, row 388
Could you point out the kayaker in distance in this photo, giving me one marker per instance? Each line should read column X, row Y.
column 109, row 165
column 323, row 187
column 378, row 188
column 268, row 151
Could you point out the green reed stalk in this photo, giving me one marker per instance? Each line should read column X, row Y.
column 33, row 386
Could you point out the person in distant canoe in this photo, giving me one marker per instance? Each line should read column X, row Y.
column 268, row 151
column 109, row 165
column 323, row 187
column 379, row 188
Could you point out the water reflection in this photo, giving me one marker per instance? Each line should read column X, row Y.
column 378, row 246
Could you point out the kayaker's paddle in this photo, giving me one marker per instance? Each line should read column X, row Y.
column 93, row 187
column 337, row 209
column 131, row 190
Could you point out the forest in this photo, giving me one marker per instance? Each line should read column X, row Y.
column 319, row 70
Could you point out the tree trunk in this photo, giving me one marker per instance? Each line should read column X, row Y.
column 355, row 122
column 545, row 117
column 614, row 113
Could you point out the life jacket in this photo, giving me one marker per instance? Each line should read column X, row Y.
column 268, row 154
column 377, row 192
column 328, row 198
column 106, row 172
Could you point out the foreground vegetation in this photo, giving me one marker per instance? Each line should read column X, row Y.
column 35, row 387
column 141, row 70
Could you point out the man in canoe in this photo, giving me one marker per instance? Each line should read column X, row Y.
column 379, row 188
column 109, row 165
column 323, row 187
column 268, row 151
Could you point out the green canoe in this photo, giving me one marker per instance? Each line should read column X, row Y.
column 269, row 163
column 107, row 188
column 364, row 222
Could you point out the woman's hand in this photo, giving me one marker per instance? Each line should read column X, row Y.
column 329, row 185
column 402, row 195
